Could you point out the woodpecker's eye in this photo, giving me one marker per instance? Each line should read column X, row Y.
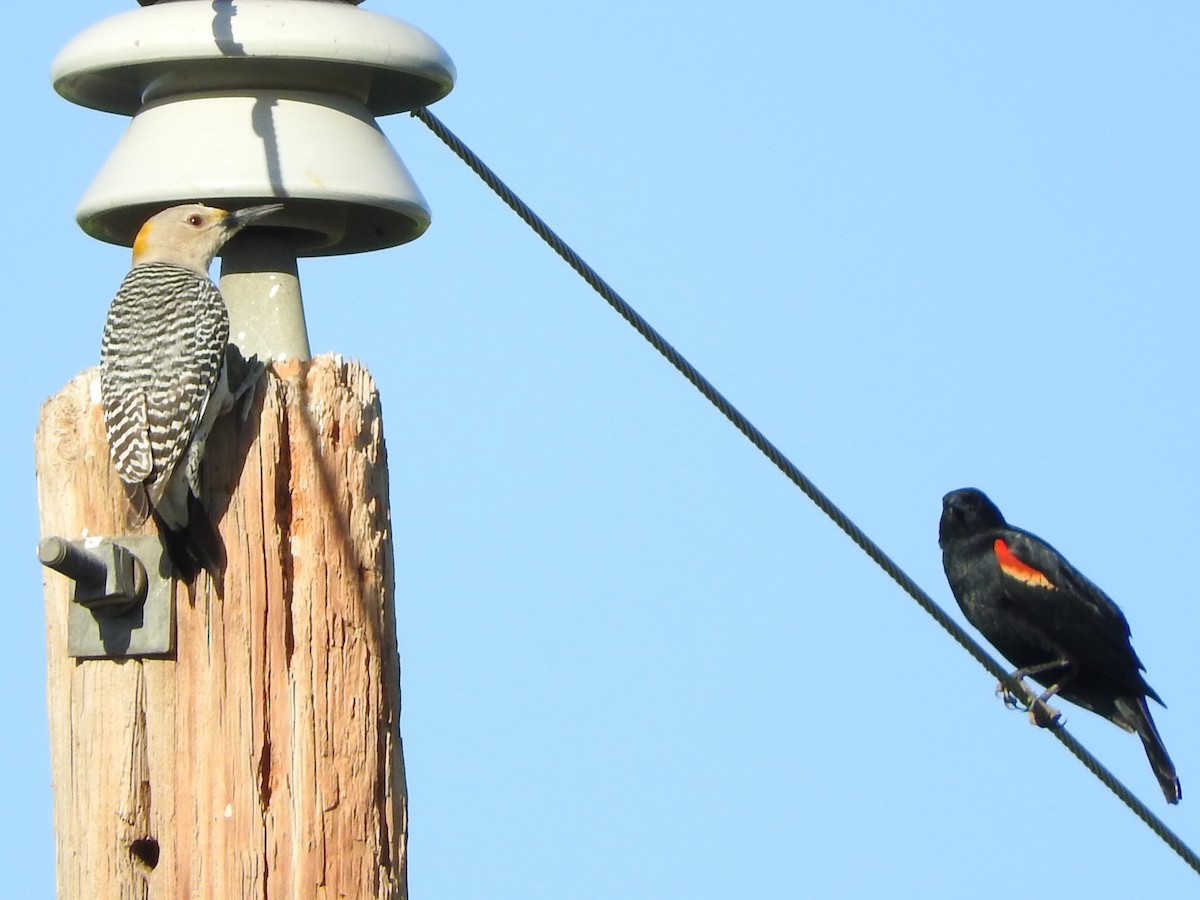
column 195, row 220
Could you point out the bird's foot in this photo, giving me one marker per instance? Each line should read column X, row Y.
column 244, row 393
column 1011, row 700
column 1040, row 712
column 1043, row 715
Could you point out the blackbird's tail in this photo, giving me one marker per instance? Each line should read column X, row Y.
column 1137, row 715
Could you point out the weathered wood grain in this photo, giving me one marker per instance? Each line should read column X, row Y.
column 264, row 759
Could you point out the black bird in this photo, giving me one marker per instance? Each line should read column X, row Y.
column 1047, row 619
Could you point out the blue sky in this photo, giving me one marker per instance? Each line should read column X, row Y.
column 921, row 245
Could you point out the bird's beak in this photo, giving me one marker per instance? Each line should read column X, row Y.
column 239, row 219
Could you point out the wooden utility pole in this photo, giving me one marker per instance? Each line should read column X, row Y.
column 263, row 759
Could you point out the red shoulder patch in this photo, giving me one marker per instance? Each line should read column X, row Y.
column 1014, row 568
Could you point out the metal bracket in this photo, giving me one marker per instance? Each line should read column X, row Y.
column 122, row 599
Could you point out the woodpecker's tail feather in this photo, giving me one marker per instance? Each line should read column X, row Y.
column 1137, row 714
column 194, row 547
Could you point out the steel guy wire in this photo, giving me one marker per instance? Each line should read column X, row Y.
column 759, row 440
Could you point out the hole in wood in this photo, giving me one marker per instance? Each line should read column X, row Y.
column 145, row 850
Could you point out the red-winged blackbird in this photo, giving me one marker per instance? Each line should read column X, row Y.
column 1048, row 620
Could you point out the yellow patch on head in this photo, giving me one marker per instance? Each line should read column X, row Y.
column 141, row 243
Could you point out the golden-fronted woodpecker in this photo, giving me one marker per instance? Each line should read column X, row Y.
column 164, row 375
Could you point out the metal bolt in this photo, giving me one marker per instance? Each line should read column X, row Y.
column 72, row 561
column 108, row 577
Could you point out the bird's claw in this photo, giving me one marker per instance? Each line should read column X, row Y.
column 1011, row 700
column 255, row 369
column 1040, row 712
column 1043, row 715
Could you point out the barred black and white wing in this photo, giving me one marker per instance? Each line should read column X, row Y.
column 161, row 358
